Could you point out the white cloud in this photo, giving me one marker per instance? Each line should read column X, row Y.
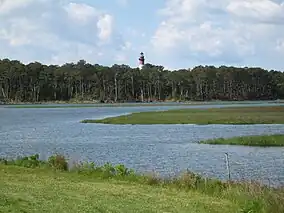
column 6, row 6
column 52, row 31
column 220, row 31
column 265, row 11
column 105, row 26
column 191, row 32
column 81, row 12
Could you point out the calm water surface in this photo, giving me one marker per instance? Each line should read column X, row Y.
column 165, row 149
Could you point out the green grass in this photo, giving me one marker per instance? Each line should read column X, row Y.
column 229, row 115
column 35, row 190
column 30, row 185
column 256, row 140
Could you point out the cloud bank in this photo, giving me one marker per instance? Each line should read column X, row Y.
column 188, row 33
column 53, row 31
column 222, row 31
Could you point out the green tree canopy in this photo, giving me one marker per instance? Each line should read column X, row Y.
column 35, row 82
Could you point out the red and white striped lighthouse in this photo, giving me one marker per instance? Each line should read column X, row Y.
column 141, row 60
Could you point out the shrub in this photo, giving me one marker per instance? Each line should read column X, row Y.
column 58, row 162
column 29, row 162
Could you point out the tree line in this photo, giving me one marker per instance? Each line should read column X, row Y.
column 36, row 82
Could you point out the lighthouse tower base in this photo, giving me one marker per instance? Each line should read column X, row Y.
column 140, row 66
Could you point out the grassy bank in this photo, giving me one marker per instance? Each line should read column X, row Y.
column 257, row 140
column 31, row 185
column 230, row 115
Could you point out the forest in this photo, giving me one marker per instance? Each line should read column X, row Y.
column 81, row 81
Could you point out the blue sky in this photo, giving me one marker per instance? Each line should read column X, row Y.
column 172, row 33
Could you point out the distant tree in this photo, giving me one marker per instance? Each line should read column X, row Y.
column 36, row 82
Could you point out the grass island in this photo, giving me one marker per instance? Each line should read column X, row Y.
column 255, row 140
column 224, row 115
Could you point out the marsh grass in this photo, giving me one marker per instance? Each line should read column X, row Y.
column 249, row 197
column 255, row 140
column 225, row 115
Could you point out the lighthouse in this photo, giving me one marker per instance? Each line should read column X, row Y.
column 141, row 60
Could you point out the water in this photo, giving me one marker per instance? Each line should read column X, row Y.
column 165, row 149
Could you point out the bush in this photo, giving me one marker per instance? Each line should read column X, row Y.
column 58, row 162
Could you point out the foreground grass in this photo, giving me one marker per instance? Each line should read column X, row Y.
column 30, row 185
column 35, row 190
column 229, row 115
column 257, row 140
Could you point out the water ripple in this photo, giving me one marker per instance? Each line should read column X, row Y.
column 165, row 149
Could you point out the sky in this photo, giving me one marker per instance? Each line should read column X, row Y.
column 172, row 33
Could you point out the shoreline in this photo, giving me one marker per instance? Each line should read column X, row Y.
column 135, row 104
column 30, row 176
column 129, row 102
column 60, row 163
